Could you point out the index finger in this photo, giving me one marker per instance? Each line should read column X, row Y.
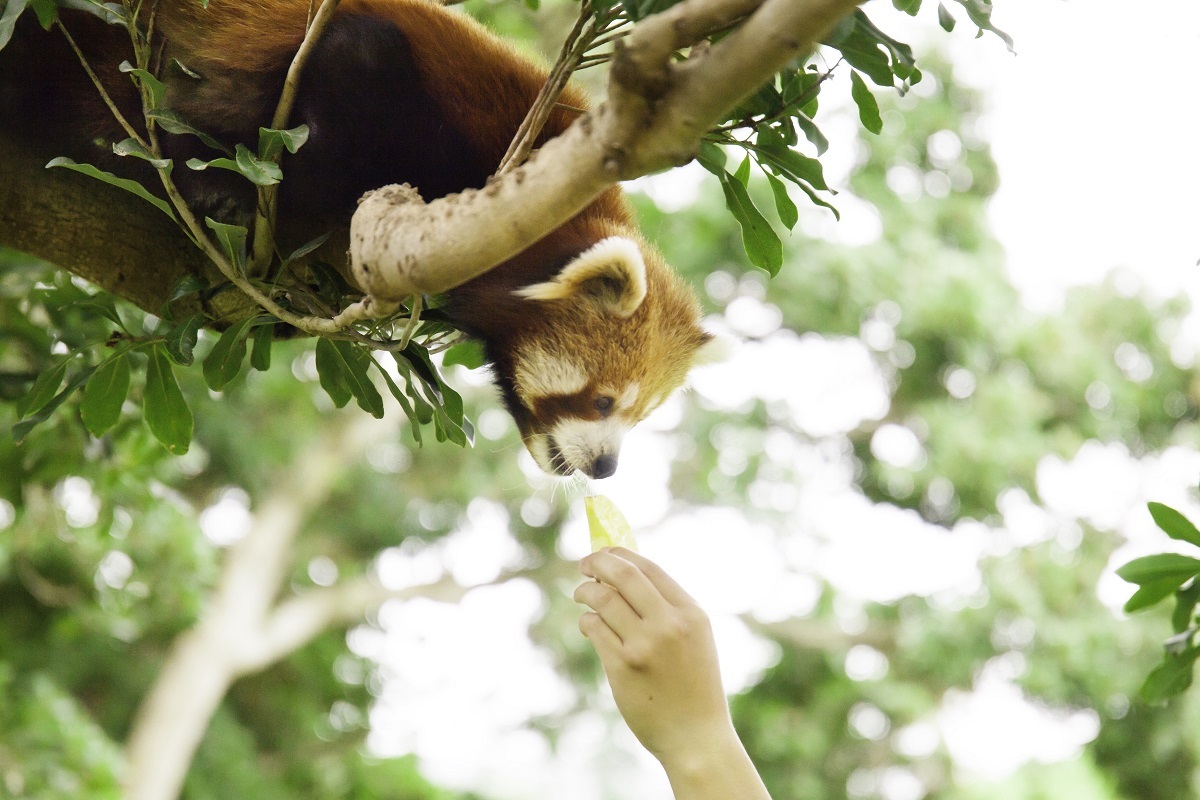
column 671, row 591
column 627, row 577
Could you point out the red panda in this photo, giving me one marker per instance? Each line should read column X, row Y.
column 587, row 331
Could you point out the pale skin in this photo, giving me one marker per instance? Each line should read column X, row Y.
column 656, row 646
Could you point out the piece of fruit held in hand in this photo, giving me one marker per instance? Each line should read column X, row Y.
column 607, row 525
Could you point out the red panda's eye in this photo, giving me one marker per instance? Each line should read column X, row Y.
column 604, row 404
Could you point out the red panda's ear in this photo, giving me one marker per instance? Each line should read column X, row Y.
column 612, row 272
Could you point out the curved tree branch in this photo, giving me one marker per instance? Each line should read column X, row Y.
column 655, row 112
column 653, row 118
column 205, row 660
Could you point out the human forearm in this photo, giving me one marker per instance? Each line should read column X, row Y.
column 718, row 770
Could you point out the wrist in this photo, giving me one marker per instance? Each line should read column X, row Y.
column 696, row 754
column 716, row 769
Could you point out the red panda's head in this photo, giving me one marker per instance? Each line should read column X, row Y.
column 603, row 343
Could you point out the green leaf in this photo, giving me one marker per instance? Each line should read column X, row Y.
column 812, row 133
column 468, row 354
column 111, row 13
column 154, row 87
column 172, row 122
column 1185, row 604
column 331, row 373
column 817, row 201
column 452, row 402
column 260, row 173
column 903, row 61
column 1172, row 677
column 44, row 388
column 132, row 147
column 180, row 341
column 232, row 239
column 1161, row 567
column 166, row 412
column 742, row 173
column 8, row 19
column 260, row 355
column 789, row 215
column 107, row 177
column 761, row 242
column 712, row 157
column 789, row 163
column 102, row 304
column 980, row 12
column 22, row 428
column 1174, row 524
column 186, row 70
column 945, row 18
column 331, row 286
column 1150, row 593
column 306, row 248
column 343, row 370
column 865, row 56
column 105, row 393
column 873, row 52
column 403, row 400
column 868, row 108
column 272, row 142
column 187, row 285
column 910, row 7
column 46, row 12
column 417, row 358
column 422, row 411
column 224, row 361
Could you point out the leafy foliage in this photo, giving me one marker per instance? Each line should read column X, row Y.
column 343, row 362
column 1157, row 578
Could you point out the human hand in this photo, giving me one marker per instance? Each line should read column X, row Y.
column 656, row 646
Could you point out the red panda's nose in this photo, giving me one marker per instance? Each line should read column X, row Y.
column 604, row 466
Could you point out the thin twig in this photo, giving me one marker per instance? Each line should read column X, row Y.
column 263, row 248
column 577, row 43
column 800, row 101
column 108, row 101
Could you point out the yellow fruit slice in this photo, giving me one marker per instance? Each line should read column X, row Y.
column 607, row 525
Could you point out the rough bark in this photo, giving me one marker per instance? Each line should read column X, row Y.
column 100, row 233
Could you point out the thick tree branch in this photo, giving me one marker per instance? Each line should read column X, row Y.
column 654, row 116
column 247, row 627
column 100, row 233
column 207, row 659
column 656, row 110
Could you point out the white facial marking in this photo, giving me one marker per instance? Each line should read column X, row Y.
column 539, row 447
column 542, row 374
column 580, row 442
column 628, row 397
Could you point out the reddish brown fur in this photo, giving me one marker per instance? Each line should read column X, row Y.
column 470, row 85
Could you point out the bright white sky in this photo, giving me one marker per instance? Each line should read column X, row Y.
column 1094, row 125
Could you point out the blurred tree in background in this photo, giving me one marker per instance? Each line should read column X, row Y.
column 111, row 548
